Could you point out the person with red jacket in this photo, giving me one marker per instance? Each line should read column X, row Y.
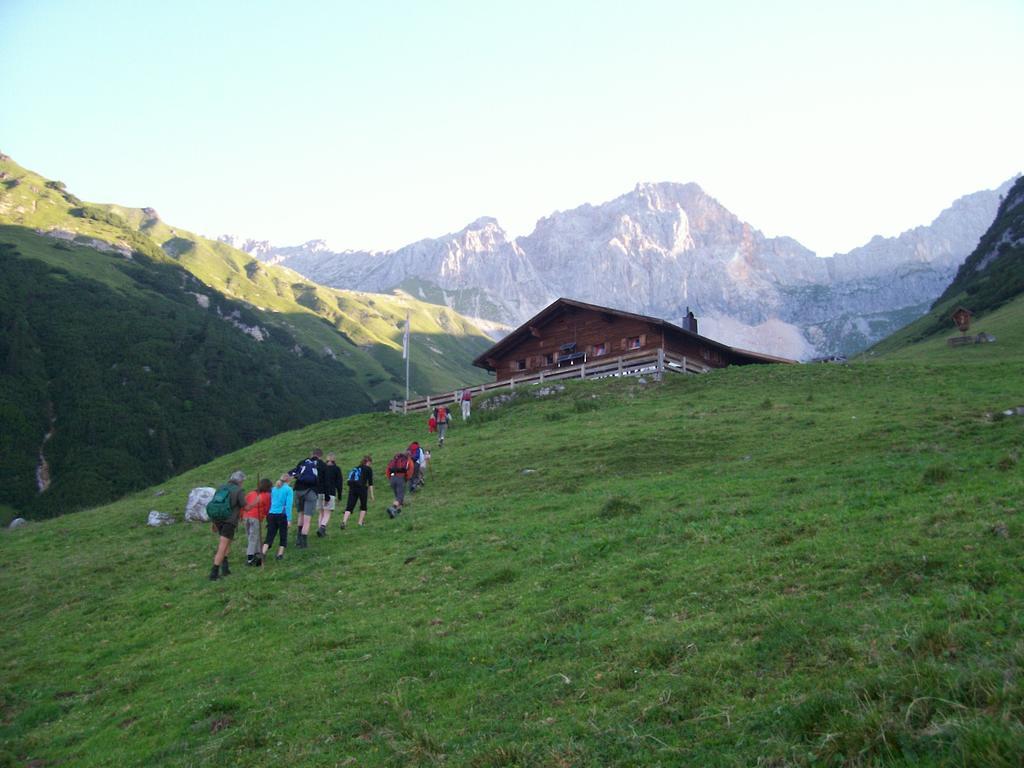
column 257, row 505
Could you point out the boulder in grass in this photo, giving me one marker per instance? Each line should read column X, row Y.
column 159, row 518
column 195, row 507
column 17, row 523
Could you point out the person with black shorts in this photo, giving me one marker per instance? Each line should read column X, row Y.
column 360, row 485
column 225, row 529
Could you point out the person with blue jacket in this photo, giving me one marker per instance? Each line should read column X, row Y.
column 280, row 515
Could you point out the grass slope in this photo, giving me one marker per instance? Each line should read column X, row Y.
column 795, row 565
column 988, row 280
column 1005, row 323
column 366, row 328
column 126, row 335
column 132, row 379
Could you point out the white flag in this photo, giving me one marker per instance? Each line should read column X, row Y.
column 405, row 338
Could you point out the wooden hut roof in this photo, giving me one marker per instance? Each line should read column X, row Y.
column 556, row 306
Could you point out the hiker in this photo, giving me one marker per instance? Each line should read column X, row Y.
column 332, row 492
column 257, row 505
column 467, row 402
column 420, row 458
column 441, row 414
column 223, row 510
column 309, row 483
column 360, row 482
column 413, row 452
column 416, row 454
column 432, row 424
column 399, row 470
column 280, row 515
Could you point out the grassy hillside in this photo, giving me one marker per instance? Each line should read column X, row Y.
column 345, row 322
column 988, row 280
column 134, row 380
column 145, row 350
column 801, row 565
column 1005, row 323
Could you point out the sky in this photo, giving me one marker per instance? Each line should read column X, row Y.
column 375, row 124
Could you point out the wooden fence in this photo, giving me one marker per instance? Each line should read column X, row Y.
column 655, row 363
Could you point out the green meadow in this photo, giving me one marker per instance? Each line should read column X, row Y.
column 774, row 566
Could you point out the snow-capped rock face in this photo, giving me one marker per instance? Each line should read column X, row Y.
column 662, row 248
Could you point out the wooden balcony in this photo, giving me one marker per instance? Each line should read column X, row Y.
column 656, row 363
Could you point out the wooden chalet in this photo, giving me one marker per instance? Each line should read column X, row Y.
column 570, row 333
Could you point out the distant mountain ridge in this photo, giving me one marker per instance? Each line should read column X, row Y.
column 664, row 247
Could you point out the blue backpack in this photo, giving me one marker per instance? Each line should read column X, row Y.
column 355, row 475
column 308, row 472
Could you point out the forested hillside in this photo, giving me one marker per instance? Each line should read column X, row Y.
column 991, row 277
column 143, row 350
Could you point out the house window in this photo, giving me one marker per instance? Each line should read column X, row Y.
column 519, row 365
column 633, row 342
column 600, row 349
column 549, row 359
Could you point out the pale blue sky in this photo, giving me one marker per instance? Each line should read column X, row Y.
column 376, row 124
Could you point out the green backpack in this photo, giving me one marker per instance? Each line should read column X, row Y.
column 218, row 509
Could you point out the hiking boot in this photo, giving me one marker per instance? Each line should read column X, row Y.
column 279, row 557
column 391, row 512
column 303, row 537
column 320, row 532
column 224, row 569
column 344, row 525
column 250, row 559
column 215, row 573
column 257, row 561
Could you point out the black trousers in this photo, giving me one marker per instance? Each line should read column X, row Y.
column 356, row 493
column 277, row 524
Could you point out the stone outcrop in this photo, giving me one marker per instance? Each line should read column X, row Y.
column 195, row 507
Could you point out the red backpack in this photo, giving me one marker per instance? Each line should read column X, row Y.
column 398, row 465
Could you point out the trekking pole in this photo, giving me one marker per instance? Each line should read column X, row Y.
column 259, row 521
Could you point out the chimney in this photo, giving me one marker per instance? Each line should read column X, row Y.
column 689, row 322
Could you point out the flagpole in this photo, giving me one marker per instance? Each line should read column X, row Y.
column 406, row 355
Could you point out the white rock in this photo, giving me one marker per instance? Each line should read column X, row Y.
column 195, row 507
column 17, row 522
column 159, row 518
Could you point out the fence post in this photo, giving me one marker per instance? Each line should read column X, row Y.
column 542, row 377
column 428, row 402
column 619, row 372
column 684, row 364
column 512, row 383
column 583, row 370
column 661, row 364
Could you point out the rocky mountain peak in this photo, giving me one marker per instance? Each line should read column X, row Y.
column 664, row 246
column 668, row 195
